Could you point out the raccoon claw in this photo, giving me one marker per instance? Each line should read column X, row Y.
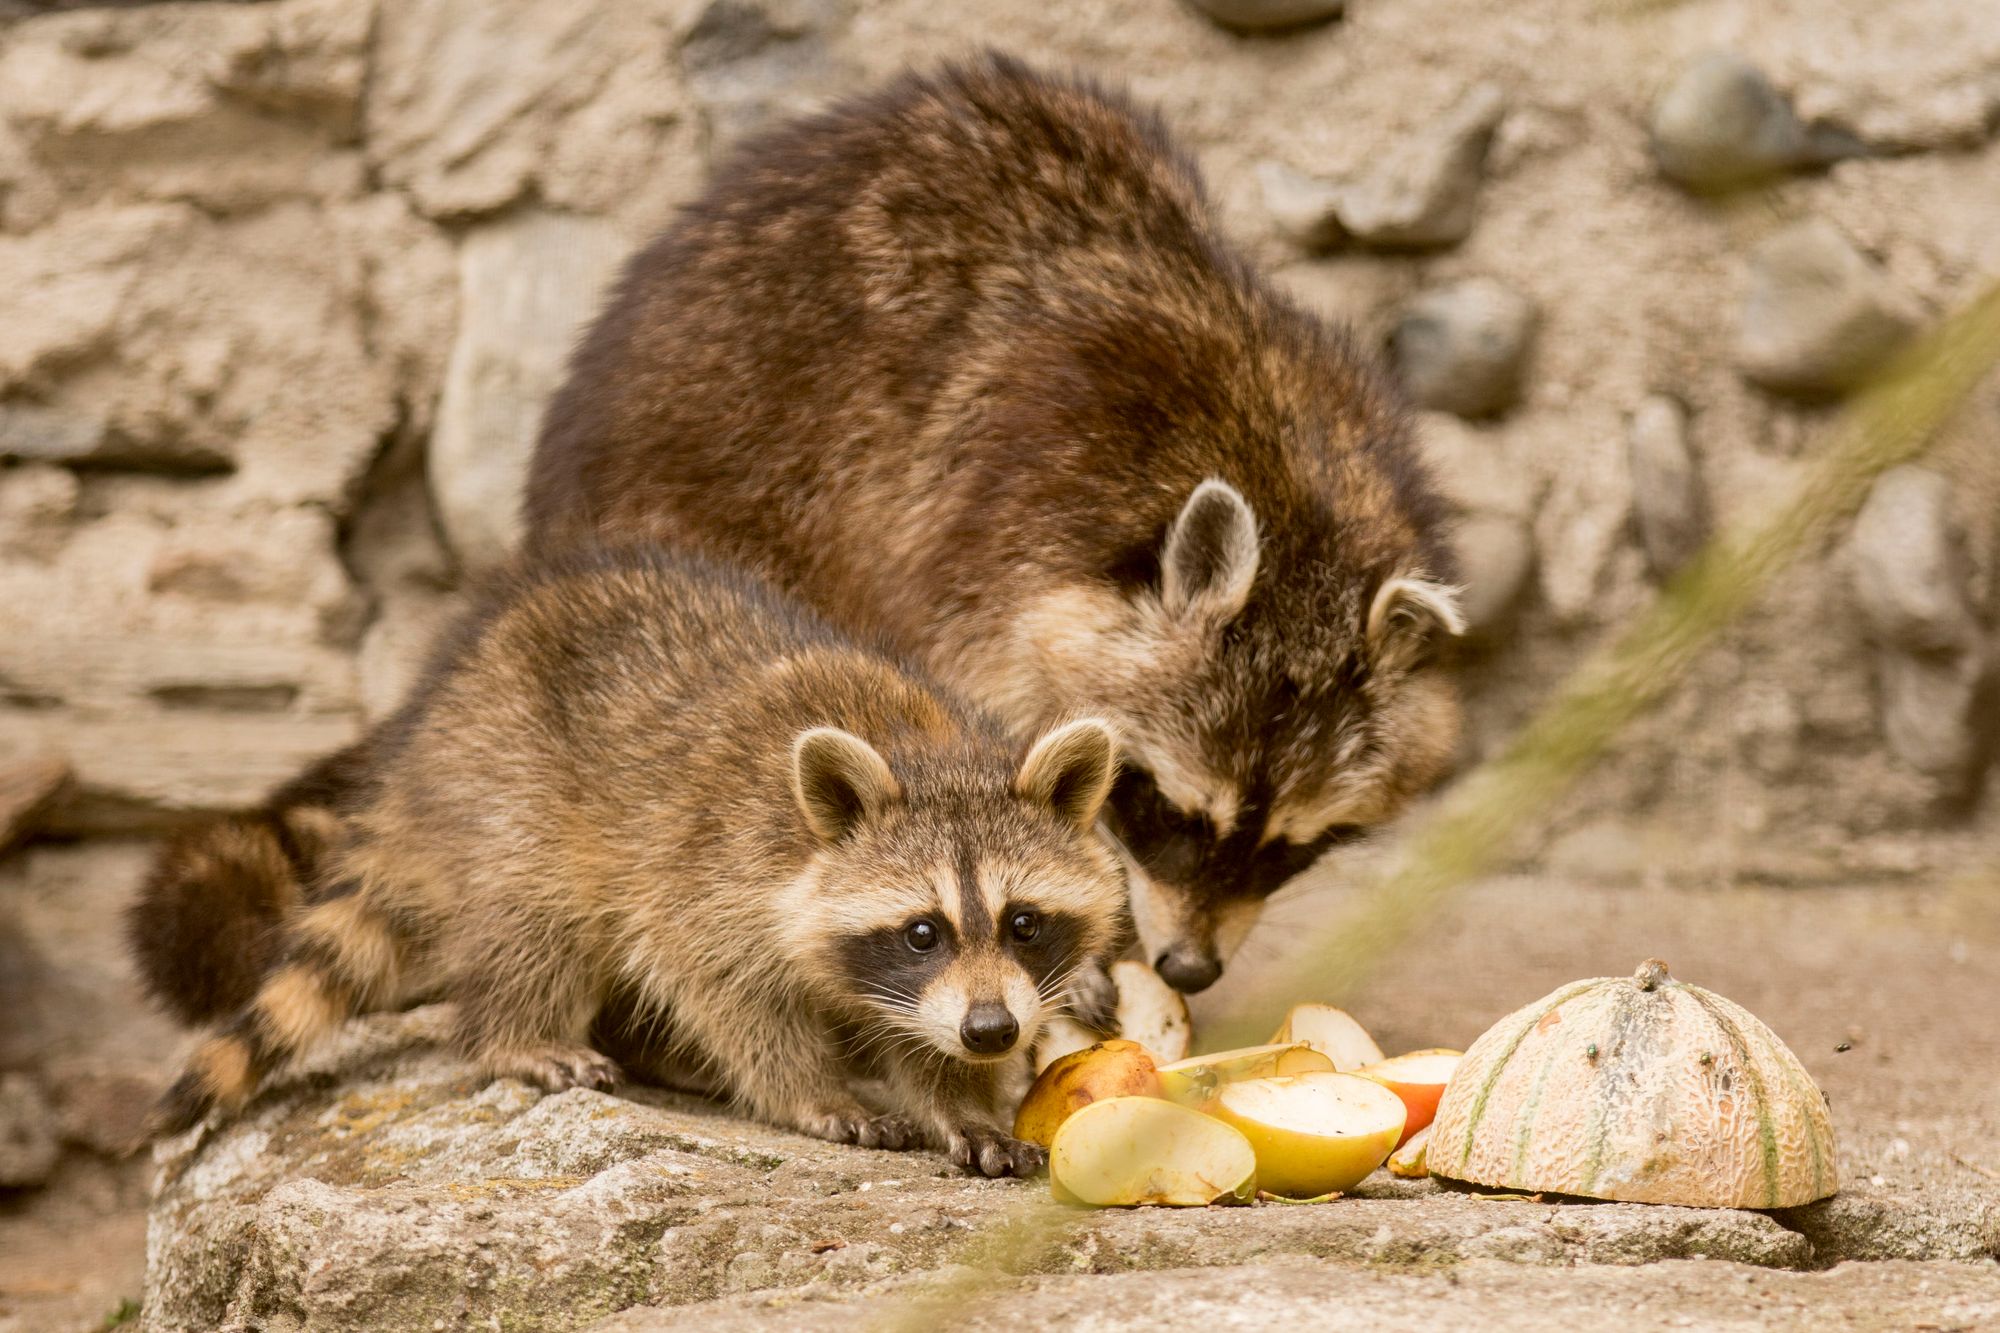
column 1093, row 998
column 558, row 1069
column 894, row 1133
column 992, row 1154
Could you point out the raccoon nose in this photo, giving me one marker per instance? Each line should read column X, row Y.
column 1188, row 970
column 988, row 1029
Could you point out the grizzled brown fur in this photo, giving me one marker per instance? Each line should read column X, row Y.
column 953, row 362
column 643, row 795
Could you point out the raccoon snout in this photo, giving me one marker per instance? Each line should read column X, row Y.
column 1188, row 969
column 988, row 1029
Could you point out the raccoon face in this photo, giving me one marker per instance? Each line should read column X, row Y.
column 1275, row 698
column 956, row 908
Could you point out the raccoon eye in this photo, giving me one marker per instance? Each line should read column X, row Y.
column 921, row 936
column 1025, row 925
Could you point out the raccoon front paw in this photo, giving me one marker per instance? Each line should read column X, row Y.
column 894, row 1133
column 991, row 1153
column 1093, row 998
column 559, row 1068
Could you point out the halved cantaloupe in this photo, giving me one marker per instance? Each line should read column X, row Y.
column 1314, row 1134
column 1638, row 1088
column 1138, row 1150
column 1332, row 1032
column 1419, row 1078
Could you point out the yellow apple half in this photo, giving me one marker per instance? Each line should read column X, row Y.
column 1151, row 1012
column 1419, row 1079
column 1313, row 1133
column 1138, row 1150
column 1096, row 1073
column 1333, row 1033
column 1408, row 1159
column 1196, row 1080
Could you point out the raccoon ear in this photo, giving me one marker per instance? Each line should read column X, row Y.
column 1211, row 553
column 1070, row 770
column 839, row 781
column 1409, row 610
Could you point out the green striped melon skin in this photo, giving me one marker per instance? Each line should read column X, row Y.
column 1642, row 1089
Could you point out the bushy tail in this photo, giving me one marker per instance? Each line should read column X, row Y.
column 338, row 958
column 209, row 922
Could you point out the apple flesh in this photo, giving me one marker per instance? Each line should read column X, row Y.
column 1139, row 1150
column 1333, row 1033
column 1419, row 1079
column 1408, row 1159
column 1097, row 1073
column 1313, row 1134
column 1195, row 1081
column 1151, row 1012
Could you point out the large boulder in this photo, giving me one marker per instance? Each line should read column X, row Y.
column 390, row 1184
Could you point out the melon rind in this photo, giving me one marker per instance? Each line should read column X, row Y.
column 1604, row 1089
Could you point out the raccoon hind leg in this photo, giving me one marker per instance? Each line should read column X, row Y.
column 530, row 1019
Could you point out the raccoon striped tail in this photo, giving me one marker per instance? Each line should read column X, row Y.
column 208, row 923
column 340, row 958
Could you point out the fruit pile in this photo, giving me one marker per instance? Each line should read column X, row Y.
column 1640, row 1088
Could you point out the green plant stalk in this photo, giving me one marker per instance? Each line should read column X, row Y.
column 1473, row 828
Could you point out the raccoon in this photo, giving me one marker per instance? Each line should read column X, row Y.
column 966, row 364
column 640, row 783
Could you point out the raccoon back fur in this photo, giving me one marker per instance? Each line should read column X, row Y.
column 824, row 889
column 966, row 364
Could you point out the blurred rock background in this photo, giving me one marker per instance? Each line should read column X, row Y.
column 284, row 285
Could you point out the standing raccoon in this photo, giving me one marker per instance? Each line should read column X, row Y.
column 641, row 783
column 966, row 365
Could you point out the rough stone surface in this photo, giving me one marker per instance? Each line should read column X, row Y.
column 1668, row 498
column 1496, row 563
column 1485, row 1294
column 1912, row 579
column 28, row 1142
column 527, row 286
column 1426, row 193
column 391, row 1184
column 750, row 62
column 1818, row 316
column 1870, row 1225
column 1720, row 124
column 1464, row 347
column 1266, row 15
column 478, row 105
column 1305, row 211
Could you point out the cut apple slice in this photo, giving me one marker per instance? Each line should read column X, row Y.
column 1313, row 1133
column 1333, row 1033
column 1097, row 1073
column 1139, row 1150
column 1196, row 1080
column 1419, row 1079
column 1408, row 1159
column 1151, row 1012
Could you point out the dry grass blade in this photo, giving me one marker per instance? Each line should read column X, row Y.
column 1477, row 822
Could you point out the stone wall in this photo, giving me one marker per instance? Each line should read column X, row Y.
column 285, row 284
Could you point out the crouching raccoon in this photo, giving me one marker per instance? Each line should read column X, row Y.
column 966, row 364
column 822, row 888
